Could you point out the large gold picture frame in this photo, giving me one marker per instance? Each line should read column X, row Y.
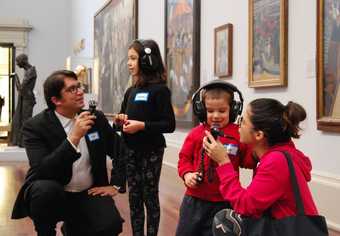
column 268, row 23
column 328, row 65
column 115, row 27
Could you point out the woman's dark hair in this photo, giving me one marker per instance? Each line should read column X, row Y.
column 54, row 84
column 278, row 122
column 158, row 73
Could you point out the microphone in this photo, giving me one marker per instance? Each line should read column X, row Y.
column 92, row 106
column 215, row 131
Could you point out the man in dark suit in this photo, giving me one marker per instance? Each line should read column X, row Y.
column 67, row 180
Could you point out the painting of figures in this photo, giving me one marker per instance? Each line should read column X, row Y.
column 182, row 55
column 115, row 27
column 267, row 43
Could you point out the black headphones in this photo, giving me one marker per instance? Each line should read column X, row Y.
column 147, row 62
column 235, row 106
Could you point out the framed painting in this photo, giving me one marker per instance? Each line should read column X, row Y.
column 223, row 51
column 328, row 65
column 267, row 63
column 182, row 56
column 115, row 27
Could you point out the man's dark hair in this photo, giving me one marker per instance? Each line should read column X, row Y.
column 54, row 84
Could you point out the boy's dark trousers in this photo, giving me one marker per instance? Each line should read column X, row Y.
column 196, row 216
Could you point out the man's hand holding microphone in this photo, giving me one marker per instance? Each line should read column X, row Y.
column 83, row 123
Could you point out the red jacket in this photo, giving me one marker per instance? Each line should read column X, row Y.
column 190, row 157
column 270, row 186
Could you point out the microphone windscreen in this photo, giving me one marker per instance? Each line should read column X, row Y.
column 215, row 130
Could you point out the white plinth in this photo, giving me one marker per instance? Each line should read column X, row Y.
column 12, row 153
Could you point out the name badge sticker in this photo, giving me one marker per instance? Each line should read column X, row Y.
column 141, row 97
column 232, row 149
column 93, row 136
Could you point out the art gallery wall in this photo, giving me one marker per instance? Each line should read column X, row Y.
column 323, row 148
column 301, row 69
column 56, row 29
column 48, row 42
column 301, row 64
column 82, row 24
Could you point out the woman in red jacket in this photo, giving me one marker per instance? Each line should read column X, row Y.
column 269, row 126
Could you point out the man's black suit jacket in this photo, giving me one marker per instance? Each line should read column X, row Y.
column 51, row 156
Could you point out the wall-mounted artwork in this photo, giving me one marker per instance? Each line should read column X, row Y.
column 268, row 43
column 84, row 76
column 82, row 66
column 182, row 47
column 115, row 27
column 223, row 51
column 328, row 65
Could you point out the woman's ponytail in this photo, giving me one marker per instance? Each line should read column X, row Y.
column 292, row 116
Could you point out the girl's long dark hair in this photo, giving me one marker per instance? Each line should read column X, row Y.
column 278, row 122
column 158, row 75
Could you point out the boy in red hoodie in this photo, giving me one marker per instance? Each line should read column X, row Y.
column 202, row 199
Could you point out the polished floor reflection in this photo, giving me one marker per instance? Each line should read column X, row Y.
column 12, row 176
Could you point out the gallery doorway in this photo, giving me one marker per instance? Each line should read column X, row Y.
column 7, row 65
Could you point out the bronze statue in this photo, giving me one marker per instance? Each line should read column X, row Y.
column 26, row 98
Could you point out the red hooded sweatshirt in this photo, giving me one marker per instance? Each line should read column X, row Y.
column 190, row 159
column 270, row 186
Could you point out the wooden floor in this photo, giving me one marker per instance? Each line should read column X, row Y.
column 12, row 176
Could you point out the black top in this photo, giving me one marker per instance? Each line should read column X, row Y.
column 151, row 104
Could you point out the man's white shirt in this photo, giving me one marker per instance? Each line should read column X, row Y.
column 81, row 169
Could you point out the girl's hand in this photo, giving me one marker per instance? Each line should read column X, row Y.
column 103, row 191
column 120, row 119
column 215, row 149
column 133, row 126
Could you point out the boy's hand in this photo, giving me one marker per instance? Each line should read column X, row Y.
column 190, row 179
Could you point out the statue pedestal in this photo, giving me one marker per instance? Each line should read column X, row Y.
column 5, row 127
column 12, row 153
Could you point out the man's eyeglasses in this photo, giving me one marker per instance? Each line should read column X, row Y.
column 74, row 88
